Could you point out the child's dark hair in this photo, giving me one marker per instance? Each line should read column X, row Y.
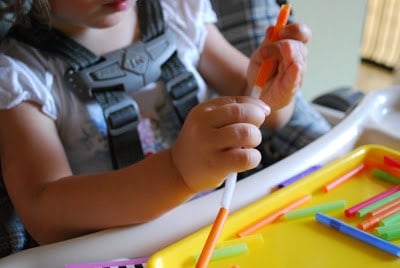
column 23, row 10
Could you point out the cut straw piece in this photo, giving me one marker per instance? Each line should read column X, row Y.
column 383, row 175
column 383, row 229
column 354, row 209
column 252, row 241
column 364, row 211
column 391, row 233
column 311, row 211
column 375, row 212
column 371, row 222
column 338, row 181
column 274, row 216
column 391, row 220
column 391, row 161
column 299, row 176
column 229, row 251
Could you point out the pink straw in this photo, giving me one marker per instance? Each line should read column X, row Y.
column 353, row 210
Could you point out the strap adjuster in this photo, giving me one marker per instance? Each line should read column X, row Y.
column 122, row 116
column 181, row 85
column 183, row 90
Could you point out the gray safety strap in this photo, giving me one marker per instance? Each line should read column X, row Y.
column 180, row 83
column 120, row 111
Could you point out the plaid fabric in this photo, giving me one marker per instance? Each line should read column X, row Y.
column 305, row 126
column 13, row 237
column 243, row 23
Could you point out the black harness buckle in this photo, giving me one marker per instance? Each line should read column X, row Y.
column 183, row 90
column 122, row 116
column 123, row 119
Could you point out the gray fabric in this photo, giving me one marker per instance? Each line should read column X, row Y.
column 305, row 126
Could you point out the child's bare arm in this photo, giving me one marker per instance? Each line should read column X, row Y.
column 222, row 65
column 36, row 172
column 61, row 205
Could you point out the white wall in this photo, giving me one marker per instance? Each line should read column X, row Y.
column 334, row 49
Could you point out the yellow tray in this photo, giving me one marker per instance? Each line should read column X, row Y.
column 300, row 242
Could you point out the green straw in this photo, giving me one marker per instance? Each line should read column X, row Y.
column 364, row 211
column 311, row 211
column 383, row 229
column 391, row 232
column 390, row 220
column 380, row 174
column 229, row 251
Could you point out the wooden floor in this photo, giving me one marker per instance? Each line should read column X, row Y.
column 371, row 77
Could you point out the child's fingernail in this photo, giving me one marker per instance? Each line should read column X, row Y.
column 267, row 109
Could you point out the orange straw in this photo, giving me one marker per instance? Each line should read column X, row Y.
column 374, row 221
column 274, row 216
column 266, row 65
column 383, row 208
column 219, row 222
column 212, row 238
column 335, row 183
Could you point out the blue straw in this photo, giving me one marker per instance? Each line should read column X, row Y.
column 359, row 234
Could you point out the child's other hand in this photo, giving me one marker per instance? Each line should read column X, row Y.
column 218, row 138
column 289, row 58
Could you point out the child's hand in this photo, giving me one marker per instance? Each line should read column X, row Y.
column 218, row 138
column 289, row 57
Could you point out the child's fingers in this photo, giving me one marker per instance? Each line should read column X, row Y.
column 236, row 113
column 293, row 51
column 297, row 31
column 239, row 159
column 239, row 135
column 226, row 100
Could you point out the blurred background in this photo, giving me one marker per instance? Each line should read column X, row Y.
column 355, row 44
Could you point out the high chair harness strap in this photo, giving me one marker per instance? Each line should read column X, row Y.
column 107, row 78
